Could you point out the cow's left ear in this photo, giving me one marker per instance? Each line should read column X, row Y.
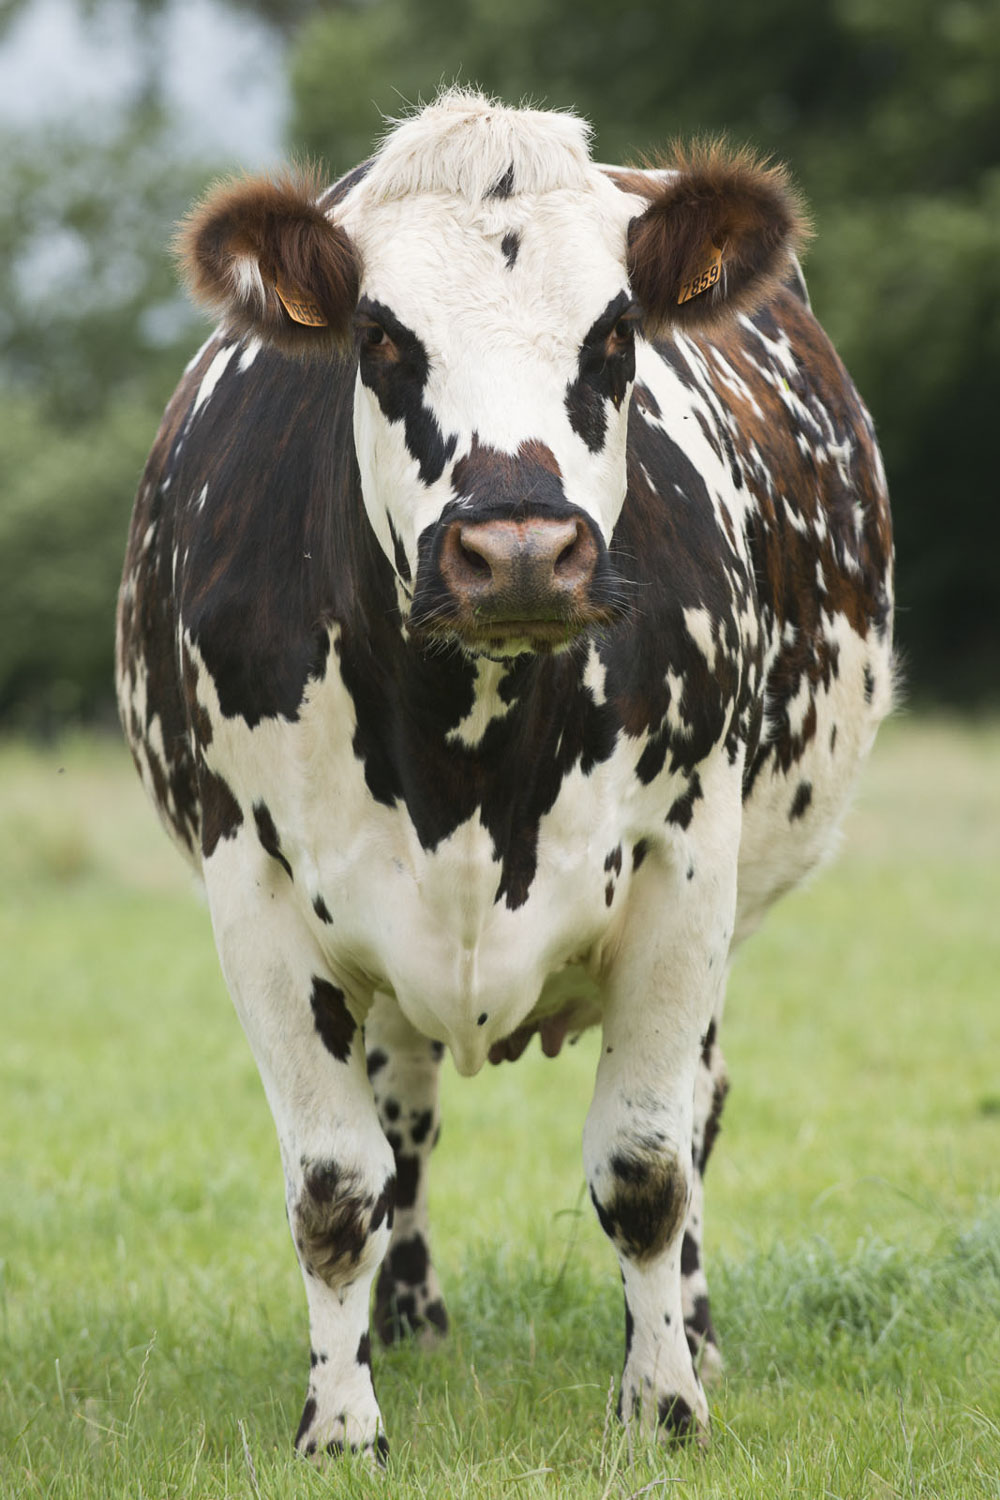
column 716, row 239
column 261, row 252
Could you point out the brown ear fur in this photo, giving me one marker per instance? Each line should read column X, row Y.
column 246, row 233
column 727, row 199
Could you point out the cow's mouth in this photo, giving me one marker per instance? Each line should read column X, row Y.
column 501, row 639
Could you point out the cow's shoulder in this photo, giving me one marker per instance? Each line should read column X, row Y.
column 268, row 502
column 817, row 522
column 149, row 671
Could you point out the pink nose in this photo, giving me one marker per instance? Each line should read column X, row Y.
column 519, row 570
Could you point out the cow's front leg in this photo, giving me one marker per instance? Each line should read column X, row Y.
column 339, row 1171
column 403, row 1066
column 662, row 990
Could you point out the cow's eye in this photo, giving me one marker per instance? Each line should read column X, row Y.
column 373, row 335
column 624, row 329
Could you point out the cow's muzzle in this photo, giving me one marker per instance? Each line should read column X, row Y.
column 514, row 584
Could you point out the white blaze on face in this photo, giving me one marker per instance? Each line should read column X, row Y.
column 502, row 333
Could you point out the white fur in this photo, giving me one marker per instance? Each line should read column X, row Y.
column 464, row 143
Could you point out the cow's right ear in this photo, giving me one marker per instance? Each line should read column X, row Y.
column 260, row 252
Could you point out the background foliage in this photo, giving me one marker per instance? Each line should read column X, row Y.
column 888, row 114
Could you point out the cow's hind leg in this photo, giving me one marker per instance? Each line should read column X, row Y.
column 711, row 1087
column 339, row 1170
column 403, row 1066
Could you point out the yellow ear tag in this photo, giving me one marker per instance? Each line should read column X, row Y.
column 708, row 271
column 299, row 307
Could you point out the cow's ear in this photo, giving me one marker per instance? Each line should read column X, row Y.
column 260, row 252
column 716, row 239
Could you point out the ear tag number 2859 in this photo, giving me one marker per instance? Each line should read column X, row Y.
column 706, row 275
column 299, row 307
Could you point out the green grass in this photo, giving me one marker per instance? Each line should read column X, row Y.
column 153, row 1337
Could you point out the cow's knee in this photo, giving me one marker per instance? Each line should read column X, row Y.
column 641, row 1197
column 341, row 1223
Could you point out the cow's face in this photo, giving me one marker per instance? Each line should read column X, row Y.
column 496, row 354
column 493, row 311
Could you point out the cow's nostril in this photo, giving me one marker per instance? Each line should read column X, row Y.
column 473, row 560
column 567, row 560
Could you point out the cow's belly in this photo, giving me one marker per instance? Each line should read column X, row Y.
column 792, row 818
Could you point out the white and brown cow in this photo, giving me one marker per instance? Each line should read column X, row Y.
column 506, row 614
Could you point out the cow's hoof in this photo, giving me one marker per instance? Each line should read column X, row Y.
column 323, row 1438
column 667, row 1417
column 677, row 1422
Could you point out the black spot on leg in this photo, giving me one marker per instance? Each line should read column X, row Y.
column 308, row 1417
column 609, row 893
column 646, row 1205
column 714, row 1122
column 377, row 1060
column 603, row 1217
column 391, row 1109
column 707, row 1043
column 613, row 861
column 335, row 1218
column 676, row 1417
column 408, row 1261
column 481, row 1021
column 407, row 1180
column 334, row 1021
column 420, row 1129
column 833, row 739
column 510, row 245
column 364, row 1354
column 803, row 797
column 436, row 1315
column 268, row 835
column 437, row 1051
column 321, row 909
column 869, row 684
column 699, row 1326
column 629, row 1330
column 690, row 1259
column 384, row 1205
column 639, row 852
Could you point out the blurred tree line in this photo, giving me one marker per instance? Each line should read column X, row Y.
column 888, row 112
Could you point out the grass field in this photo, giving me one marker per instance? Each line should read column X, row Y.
column 153, row 1337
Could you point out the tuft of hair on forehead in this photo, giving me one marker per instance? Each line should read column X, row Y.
column 477, row 148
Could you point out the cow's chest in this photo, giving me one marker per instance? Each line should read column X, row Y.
column 435, row 922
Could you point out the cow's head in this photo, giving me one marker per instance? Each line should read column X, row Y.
column 491, row 283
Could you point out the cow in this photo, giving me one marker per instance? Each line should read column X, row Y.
column 506, row 615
